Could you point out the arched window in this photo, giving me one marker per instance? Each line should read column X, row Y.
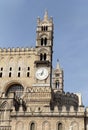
column 19, row 68
column 59, row 126
column 28, row 74
column 1, row 68
column 44, row 56
column 18, row 74
column 10, row 68
column 46, row 28
column 41, row 41
column 42, row 28
column 41, row 56
column 28, row 68
column 4, row 114
column 32, row 126
column 45, row 41
column 57, row 84
column 0, row 74
column 9, row 74
column 17, row 88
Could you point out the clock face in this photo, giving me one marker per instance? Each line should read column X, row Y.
column 41, row 73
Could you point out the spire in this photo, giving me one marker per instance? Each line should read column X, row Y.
column 46, row 15
column 58, row 65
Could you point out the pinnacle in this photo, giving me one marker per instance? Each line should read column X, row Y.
column 46, row 15
column 58, row 65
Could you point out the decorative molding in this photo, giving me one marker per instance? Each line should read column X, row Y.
column 41, row 85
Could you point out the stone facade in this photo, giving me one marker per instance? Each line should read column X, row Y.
column 32, row 93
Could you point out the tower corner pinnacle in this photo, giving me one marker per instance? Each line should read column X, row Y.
column 46, row 15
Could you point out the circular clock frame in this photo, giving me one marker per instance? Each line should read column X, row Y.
column 41, row 73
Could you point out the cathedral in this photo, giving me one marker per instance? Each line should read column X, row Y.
column 32, row 95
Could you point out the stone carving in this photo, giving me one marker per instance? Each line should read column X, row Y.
column 38, row 89
column 17, row 102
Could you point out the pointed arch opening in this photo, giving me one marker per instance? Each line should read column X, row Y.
column 59, row 126
column 41, row 57
column 46, row 125
column 19, row 125
column 44, row 56
column 4, row 111
column 41, row 41
column 57, row 84
column 74, row 126
column 15, row 88
column 32, row 126
column 45, row 41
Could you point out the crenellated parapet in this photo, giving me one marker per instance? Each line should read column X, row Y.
column 64, row 99
column 15, row 50
column 45, row 110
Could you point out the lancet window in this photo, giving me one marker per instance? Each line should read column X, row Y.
column 43, row 41
column 43, row 57
column 60, row 126
column 32, row 126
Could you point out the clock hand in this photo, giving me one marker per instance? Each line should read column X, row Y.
column 42, row 73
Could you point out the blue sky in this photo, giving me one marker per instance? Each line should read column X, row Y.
column 18, row 29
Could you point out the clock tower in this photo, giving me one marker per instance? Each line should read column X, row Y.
column 44, row 47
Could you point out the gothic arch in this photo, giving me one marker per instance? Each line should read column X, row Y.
column 4, row 105
column 3, row 62
column 60, row 125
column 44, row 39
column 43, row 50
column 43, row 35
column 19, row 125
column 32, row 125
column 74, row 125
column 44, row 27
column 57, row 84
column 10, row 84
column 46, row 125
column 20, row 61
column 15, row 88
column 11, row 61
column 4, row 113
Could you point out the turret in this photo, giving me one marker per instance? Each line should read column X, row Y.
column 58, row 78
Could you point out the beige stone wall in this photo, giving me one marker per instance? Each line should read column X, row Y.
column 48, row 123
column 15, row 59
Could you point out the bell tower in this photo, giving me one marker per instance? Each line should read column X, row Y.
column 58, row 78
column 44, row 31
column 44, row 46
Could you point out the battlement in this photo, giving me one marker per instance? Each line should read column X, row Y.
column 13, row 50
column 35, row 110
column 64, row 99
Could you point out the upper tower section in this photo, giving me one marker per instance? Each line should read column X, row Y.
column 44, row 31
column 58, row 78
